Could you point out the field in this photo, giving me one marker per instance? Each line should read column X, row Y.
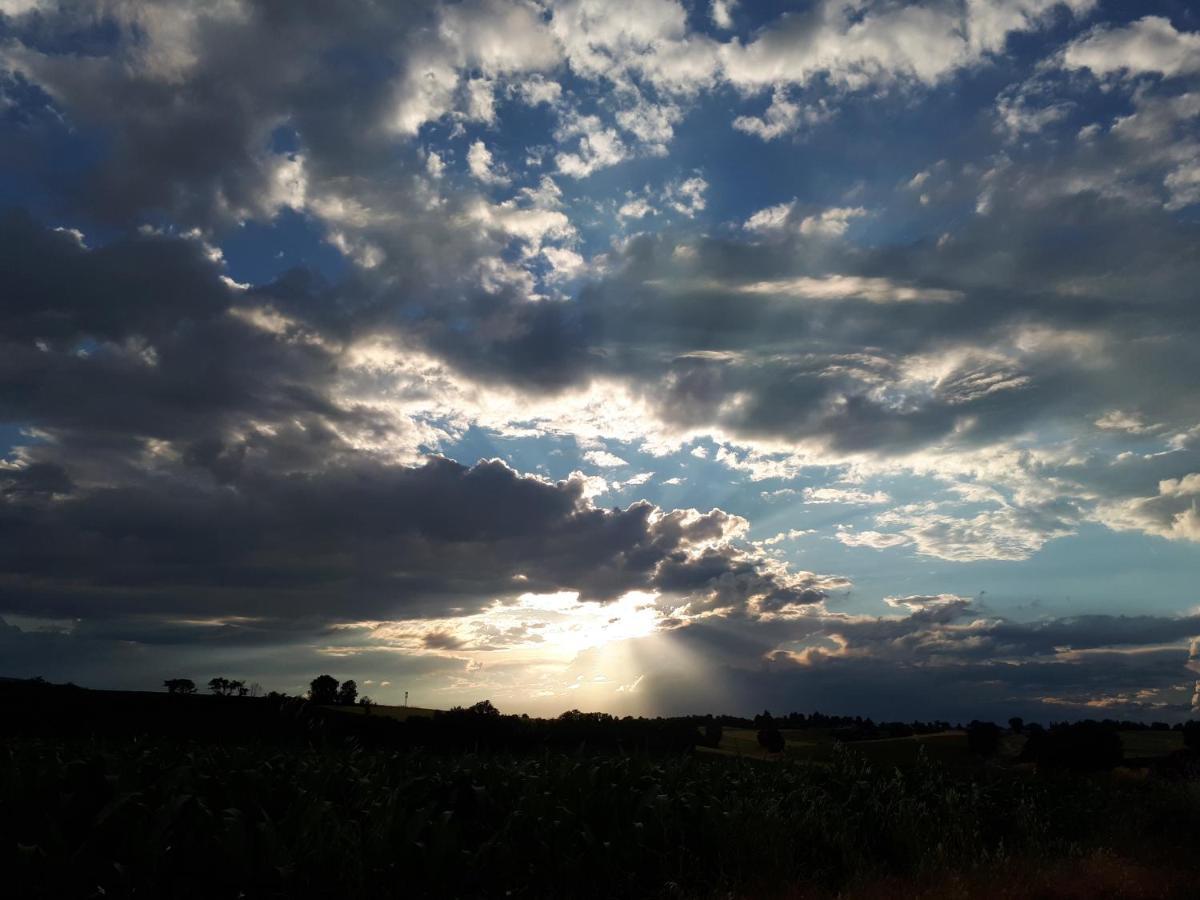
column 1150, row 744
column 111, row 794
column 818, row 745
column 399, row 713
column 146, row 817
column 948, row 747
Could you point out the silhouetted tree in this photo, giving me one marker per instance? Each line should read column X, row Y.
column 348, row 692
column 366, row 703
column 770, row 738
column 323, row 690
column 1191, row 735
column 713, row 733
column 1016, row 724
column 180, row 686
column 224, row 687
column 484, row 708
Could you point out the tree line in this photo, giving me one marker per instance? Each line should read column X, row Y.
column 324, row 690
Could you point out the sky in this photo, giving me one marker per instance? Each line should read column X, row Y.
column 661, row 357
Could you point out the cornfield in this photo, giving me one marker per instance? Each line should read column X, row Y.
column 167, row 818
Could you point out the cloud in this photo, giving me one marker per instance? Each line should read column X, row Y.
column 635, row 208
column 844, row 495
column 783, row 116
column 1020, row 114
column 721, row 12
column 482, row 166
column 876, row 540
column 944, row 657
column 851, row 287
column 361, row 541
column 785, row 217
column 1171, row 513
column 1014, row 324
column 1005, row 533
column 855, row 47
column 598, row 147
column 1149, row 45
column 686, row 197
column 604, row 459
column 1127, row 422
column 201, row 457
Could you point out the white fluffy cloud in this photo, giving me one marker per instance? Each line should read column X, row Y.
column 482, row 166
column 851, row 287
column 1172, row 513
column 1149, row 45
column 784, row 218
column 596, row 146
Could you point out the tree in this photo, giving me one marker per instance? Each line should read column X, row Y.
column 1191, row 734
column 225, row 687
column 713, row 733
column 347, row 693
column 323, row 690
column 180, row 686
column 1017, row 724
column 483, row 708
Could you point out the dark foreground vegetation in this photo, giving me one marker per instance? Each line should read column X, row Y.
column 120, row 795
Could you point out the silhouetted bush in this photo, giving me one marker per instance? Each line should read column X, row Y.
column 983, row 738
column 1191, row 735
column 1078, row 746
column 771, row 739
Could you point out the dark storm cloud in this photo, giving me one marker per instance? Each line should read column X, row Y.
column 363, row 541
column 359, row 541
column 186, row 100
column 59, row 292
column 948, row 659
column 139, row 339
column 191, row 461
column 137, row 654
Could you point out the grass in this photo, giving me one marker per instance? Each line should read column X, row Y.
column 1147, row 744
